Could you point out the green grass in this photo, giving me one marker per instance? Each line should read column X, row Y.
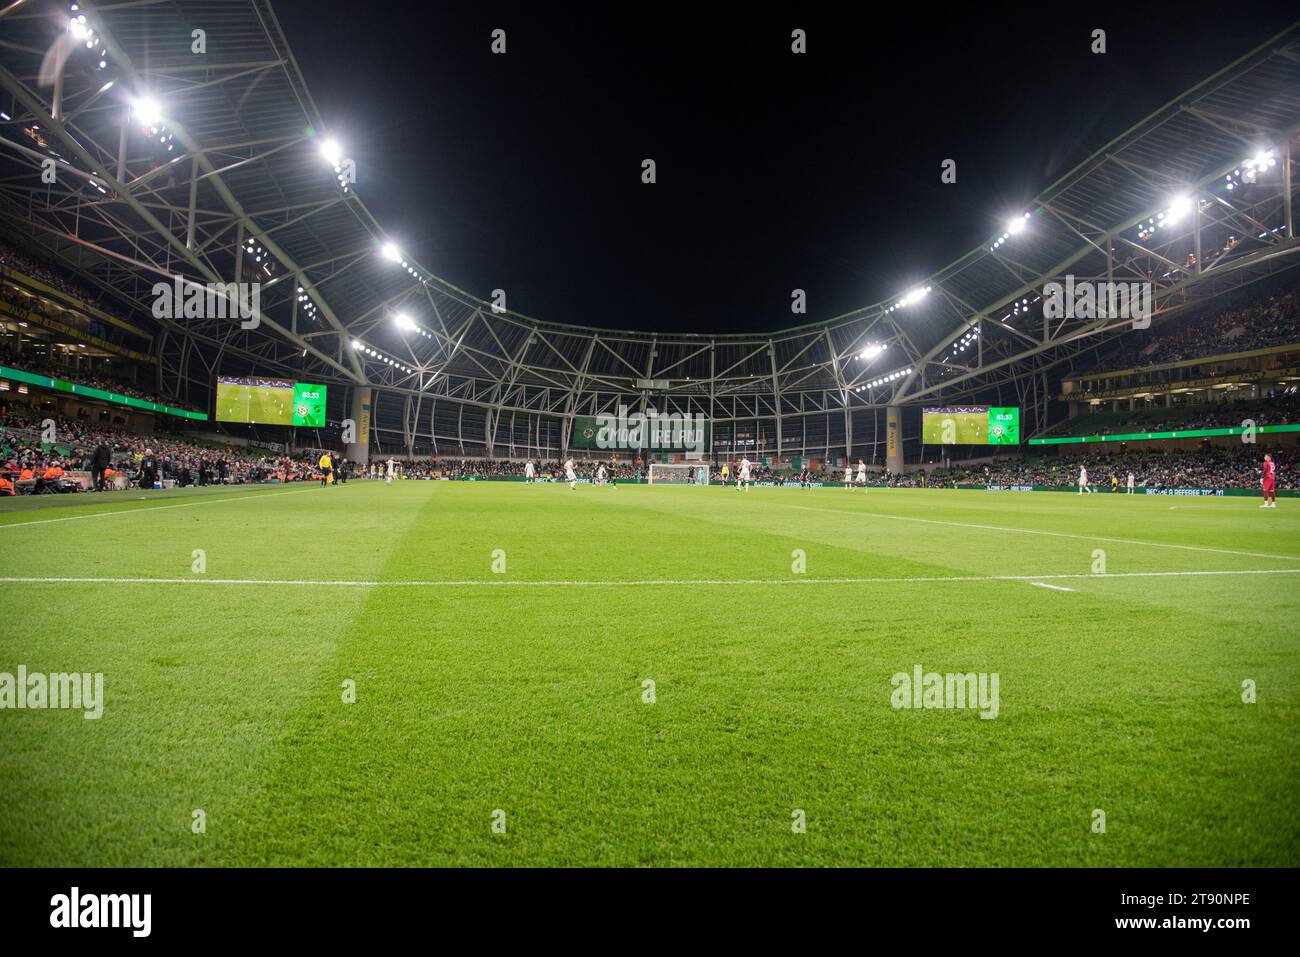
column 1122, row 695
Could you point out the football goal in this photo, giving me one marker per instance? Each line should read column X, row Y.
column 679, row 473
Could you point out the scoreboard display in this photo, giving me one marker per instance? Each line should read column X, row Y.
column 271, row 402
column 971, row 425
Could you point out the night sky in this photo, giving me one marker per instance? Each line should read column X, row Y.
column 775, row 170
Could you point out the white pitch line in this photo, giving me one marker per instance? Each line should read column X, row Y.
column 627, row 583
column 1053, row 587
column 1039, row 531
column 251, row 493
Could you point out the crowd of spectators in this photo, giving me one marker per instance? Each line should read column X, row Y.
column 162, row 457
column 56, row 279
column 48, row 366
column 141, row 460
column 435, row 468
column 1274, row 411
column 1270, row 321
column 1211, row 467
column 621, row 471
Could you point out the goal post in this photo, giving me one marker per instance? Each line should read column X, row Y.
column 679, row 473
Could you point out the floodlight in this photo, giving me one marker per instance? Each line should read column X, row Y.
column 914, row 296
column 147, row 110
column 1179, row 208
column 332, row 152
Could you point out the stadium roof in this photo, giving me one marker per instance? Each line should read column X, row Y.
column 233, row 184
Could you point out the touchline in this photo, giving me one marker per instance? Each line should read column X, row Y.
column 80, row 691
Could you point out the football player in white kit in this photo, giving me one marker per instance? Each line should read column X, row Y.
column 848, row 476
column 569, row 475
column 1130, row 483
column 529, row 474
column 392, row 465
column 1083, row 480
column 862, row 472
column 743, row 479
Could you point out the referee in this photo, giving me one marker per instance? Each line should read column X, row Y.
column 326, row 467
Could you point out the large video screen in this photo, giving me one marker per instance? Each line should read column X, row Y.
column 271, row 402
column 971, row 425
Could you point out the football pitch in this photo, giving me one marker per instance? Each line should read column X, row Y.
column 652, row 676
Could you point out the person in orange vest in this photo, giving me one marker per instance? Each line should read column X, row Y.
column 6, row 486
column 26, row 474
column 49, row 477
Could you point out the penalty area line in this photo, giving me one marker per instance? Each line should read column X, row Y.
column 629, row 583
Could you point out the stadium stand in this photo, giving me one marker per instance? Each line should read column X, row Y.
column 445, row 376
column 1272, row 320
column 1283, row 409
column 1208, row 468
column 33, row 268
column 182, row 461
column 41, row 365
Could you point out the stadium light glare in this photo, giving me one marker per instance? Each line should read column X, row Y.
column 391, row 252
column 1017, row 225
column 1250, row 168
column 405, row 322
column 147, row 110
column 916, row 295
column 332, row 151
column 1180, row 207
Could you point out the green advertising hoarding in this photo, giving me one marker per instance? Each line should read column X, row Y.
column 631, row 431
column 89, row 392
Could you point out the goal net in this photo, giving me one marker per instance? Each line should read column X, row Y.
column 679, row 473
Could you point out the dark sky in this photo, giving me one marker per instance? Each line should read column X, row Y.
column 775, row 171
